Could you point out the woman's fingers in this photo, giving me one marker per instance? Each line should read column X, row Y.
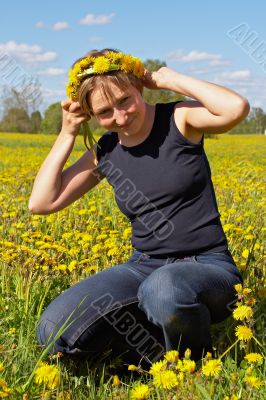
column 74, row 107
column 65, row 104
column 71, row 106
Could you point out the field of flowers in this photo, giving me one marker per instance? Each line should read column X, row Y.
column 40, row 256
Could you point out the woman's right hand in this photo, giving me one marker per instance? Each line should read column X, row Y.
column 72, row 117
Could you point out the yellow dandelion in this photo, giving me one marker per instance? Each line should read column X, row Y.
column 132, row 367
column 245, row 253
column 165, row 380
column 233, row 376
column 212, row 367
column 158, row 367
column 253, row 357
column 73, row 264
column 249, row 237
column 250, row 301
column 186, row 366
column 48, row 375
column 187, row 354
column 242, row 312
column 76, row 70
column 249, row 371
column 114, row 57
column 243, row 333
column 246, row 291
column 86, row 62
column 238, row 288
column 180, row 376
column 138, row 69
column 127, row 63
column 253, row 381
column 101, row 65
column 171, row 356
column 2, row 367
column 116, row 380
column 71, row 93
column 5, row 391
column 140, row 392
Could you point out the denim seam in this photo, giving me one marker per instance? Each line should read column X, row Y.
column 87, row 324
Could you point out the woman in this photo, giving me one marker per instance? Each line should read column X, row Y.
column 179, row 279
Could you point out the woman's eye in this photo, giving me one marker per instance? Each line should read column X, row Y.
column 124, row 100
column 104, row 112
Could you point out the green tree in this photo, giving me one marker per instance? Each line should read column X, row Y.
column 36, row 120
column 52, row 120
column 257, row 118
column 254, row 123
column 17, row 103
column 16, row 120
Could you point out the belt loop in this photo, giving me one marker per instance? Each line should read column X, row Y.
column 144, row 257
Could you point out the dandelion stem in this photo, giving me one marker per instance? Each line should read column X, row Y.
column 229, row 348
column 256, row 340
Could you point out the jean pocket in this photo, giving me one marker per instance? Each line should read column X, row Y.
column 137, row 257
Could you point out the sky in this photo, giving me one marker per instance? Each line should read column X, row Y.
column 220, row 42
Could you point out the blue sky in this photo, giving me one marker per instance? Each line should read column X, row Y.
column 221, row 42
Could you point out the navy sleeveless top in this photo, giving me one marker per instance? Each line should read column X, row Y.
column 163, row 186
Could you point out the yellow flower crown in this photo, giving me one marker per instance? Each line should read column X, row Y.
column 111, row 61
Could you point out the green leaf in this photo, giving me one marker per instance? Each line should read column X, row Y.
column 203, row 391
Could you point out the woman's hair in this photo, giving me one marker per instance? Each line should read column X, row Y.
column 102, row 82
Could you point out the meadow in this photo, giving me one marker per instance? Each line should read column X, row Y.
column 41, row 256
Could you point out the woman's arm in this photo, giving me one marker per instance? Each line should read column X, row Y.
column 54, row 188
column 216, row 109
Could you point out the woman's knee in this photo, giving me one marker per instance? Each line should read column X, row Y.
column 163, row 298
column 166, row 284
column 46, row 333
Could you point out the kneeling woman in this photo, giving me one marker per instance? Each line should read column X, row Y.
column 180, row 276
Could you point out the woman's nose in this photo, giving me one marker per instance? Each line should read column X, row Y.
column 120, row 117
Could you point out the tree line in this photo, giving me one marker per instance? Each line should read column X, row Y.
column 20, row 115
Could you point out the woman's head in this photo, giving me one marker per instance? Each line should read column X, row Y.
column 121, row 71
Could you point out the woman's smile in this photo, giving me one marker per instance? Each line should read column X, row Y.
column 125, row 113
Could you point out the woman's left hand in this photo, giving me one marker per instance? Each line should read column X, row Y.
column 160, row 79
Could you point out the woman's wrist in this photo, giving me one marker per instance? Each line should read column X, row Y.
column 173, row 80
column 68, row 134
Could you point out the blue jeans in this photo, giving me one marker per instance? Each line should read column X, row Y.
column 143, row 308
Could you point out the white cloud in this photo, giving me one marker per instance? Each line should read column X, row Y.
column 96, row 39
column 39, row 25
column 217, row 63
column 30, row 54
column 92, row 19
column 202, row 71
column 194, row 55
column 236, row 75
column 61, row 26
column 52, row 72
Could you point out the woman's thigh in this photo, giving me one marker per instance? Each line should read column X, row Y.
column 74, row 310
column 207, row 279
column 219, row 275
column 97, row 310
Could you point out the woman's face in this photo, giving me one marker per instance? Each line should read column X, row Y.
column 124, row 113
